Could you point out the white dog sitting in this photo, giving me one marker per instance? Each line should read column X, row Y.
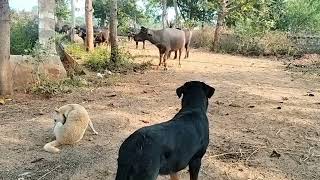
column 71, row 122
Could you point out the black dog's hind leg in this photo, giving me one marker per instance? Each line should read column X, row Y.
column 194, row 168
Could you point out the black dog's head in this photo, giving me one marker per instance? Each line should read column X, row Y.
column 195, row 93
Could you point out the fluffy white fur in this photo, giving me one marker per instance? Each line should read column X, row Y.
column 71, row 122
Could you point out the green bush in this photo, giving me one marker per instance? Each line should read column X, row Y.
column 99, row 59
column 49, row 88
column 24, row 33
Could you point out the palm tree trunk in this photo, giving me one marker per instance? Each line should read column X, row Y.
column 89, row 24
column 113, row 31
column 6, row 81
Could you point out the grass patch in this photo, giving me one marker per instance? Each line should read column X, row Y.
column 99, row 59
column 49, row 88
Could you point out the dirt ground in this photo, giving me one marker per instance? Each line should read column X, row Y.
column 264, row 121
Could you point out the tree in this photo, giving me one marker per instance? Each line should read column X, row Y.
column 62, row 10
column 193, row 12
column 89, row 25
column 6, row 81
column 301, row 16
column 128, row 13
column 164, row 13
column 113, row 31
column 177, row 18
column 225, row 7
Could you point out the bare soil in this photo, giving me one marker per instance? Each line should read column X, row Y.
column 264, row 121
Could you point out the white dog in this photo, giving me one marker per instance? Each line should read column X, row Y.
column 71, row 122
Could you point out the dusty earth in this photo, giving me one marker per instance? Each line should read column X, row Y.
column 264, row 121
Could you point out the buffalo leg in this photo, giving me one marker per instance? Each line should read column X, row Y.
column 180, row 52
column 165, row 59
column 136, row 44
column 144, row 44
column 175, row 55
column 160, row 59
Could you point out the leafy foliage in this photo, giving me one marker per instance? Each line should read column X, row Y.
column 99, row 59
column 128, row 12
column 24, row 32
column 301, row 16
column 62, row 11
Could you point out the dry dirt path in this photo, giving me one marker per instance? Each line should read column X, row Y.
column 258, row 108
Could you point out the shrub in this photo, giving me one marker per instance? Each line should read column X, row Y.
column 24, row 33
column 49, row 88
column 277, row 43
column 202, row 38
column 99, row 59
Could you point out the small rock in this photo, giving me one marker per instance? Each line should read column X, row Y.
column 99, row 75
column 251, row 106
column 39, row 113
column 112, row 95
column 90, row 139
column 144, row 121
column 25, row 174
column 278, row 107
column 144, row 112
column 275, row 154
column 108, row 72
column 310, row 94
column 285, row 98
column 234, row 105
column 37, row 160
column 219, row 102
column 144, row 91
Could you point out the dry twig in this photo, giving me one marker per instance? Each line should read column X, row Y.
column 49, row 172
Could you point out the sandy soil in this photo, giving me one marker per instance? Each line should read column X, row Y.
column 263, row 123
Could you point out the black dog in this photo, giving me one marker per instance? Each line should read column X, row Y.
column 169, row 147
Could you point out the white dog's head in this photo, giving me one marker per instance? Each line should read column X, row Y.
column 58, row 117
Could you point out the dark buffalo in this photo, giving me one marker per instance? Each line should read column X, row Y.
column 102, row 37
column 166, row 40
column 138, row 39
column 64, row 29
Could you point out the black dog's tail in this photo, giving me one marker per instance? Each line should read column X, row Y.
column 123, row 173
column 137, row 157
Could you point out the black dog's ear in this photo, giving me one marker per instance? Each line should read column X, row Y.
column 179, row 91
column 208, row 90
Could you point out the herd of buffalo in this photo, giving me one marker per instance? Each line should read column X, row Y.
column 166, row 40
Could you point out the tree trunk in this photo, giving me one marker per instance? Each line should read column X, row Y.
column 73, row 18
column 177, row 19
column 221, row 15
column 6, row 81
column 113, row 31
column 164, row 13
column 89, row 24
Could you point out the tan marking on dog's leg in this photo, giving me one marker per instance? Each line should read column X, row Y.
column 174, row 176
